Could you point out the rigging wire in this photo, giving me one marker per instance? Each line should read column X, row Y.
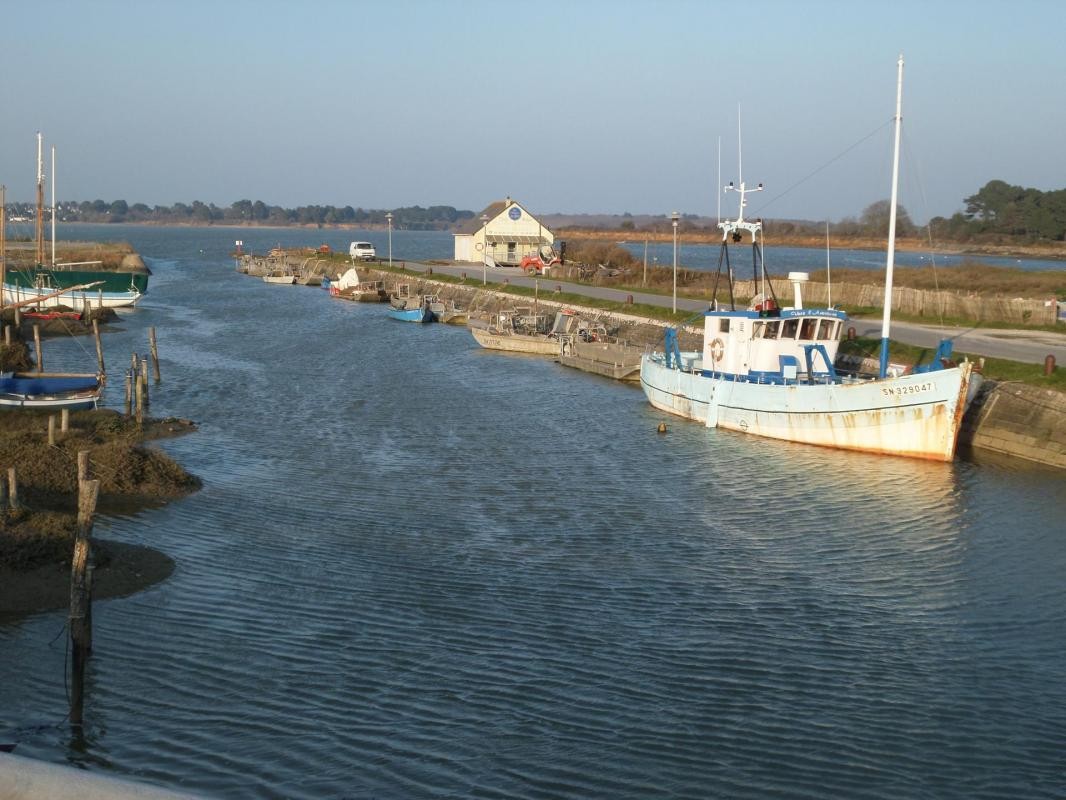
column 917, row 173
column 827, row 164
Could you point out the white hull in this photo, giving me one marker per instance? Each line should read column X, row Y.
column 288, row 280
column 912, row 415
column 75, row 300
column 516, row 342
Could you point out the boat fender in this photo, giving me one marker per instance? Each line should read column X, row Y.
column 717, row 349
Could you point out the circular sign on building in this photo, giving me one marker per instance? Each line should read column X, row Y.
column 514, row 213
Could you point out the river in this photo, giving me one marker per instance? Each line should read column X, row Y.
column 419, row 569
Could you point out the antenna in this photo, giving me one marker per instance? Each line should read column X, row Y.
column 719, row 178
column 828, row 276
column 740, row 154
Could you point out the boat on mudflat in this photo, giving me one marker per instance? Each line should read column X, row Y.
column 46, row 392
column 769, row 371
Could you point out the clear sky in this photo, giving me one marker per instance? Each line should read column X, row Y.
column 579, row 106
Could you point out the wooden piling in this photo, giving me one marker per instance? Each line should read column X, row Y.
column 18, row 317
column 51, row 430
column 12, row 489
column 99, row 347
column 129, row 392
column 7, row 335
column 144, row 378
column 64, row 420
column 83, row 467
column 3, row 494
column 81, row 635
column 155, row 354
column 37, row 347
column 140, row 400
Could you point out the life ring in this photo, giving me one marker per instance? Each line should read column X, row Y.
column 717, row 349
column 479, row 246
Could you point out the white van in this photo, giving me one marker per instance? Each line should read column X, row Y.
column 362, row 250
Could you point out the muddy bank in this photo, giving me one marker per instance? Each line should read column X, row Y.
column 36, row 537
column 121, row 570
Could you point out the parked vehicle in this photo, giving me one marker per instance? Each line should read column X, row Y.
column 362, row 250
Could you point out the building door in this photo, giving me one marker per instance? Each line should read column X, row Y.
column 511, row 255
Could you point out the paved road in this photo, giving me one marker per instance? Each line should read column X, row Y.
column 1017, row 345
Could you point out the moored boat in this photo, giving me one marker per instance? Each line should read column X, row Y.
column 408, row 308
column 520, row 331
column 288, row 280
column 44, row 392
column 769, row 371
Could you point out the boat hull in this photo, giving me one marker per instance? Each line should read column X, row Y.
column 15, row 294
column 49, row 393
column 411, row 314
column 917, row 416
column 516, row 342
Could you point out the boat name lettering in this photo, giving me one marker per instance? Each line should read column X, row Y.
column 900, row 391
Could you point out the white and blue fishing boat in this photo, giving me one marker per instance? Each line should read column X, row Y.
column 769, row 371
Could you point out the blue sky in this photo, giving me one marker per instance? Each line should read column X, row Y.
column 599, row 107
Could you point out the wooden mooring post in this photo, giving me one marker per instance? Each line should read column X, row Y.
column 144, row 378
column 81, row 576
column 129, row 392
column 37, row 347
column 152, row 346
column 51, row 430
column 139, row 390
column 7, row 335
column 99, row 347
column 12, row 489
column 64, row 420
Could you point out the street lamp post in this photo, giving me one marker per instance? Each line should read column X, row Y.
column 389, row 218
column 674, row 218
column 484, row 248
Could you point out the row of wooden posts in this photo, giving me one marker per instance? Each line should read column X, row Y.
column 81, row 574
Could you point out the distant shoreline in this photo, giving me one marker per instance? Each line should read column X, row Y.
column 1052, row 251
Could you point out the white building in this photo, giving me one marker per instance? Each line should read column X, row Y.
column 510, row 233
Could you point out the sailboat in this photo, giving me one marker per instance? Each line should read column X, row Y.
column 113, row 288
column 39, row 390
column 769, row 371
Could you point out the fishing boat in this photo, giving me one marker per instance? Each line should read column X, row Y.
column 522, row 330
column 350, row 286
column 41, row 281
column 287, row 280
column 408, row 308
column 769, row 371
column 453, row 315
column 49, row 392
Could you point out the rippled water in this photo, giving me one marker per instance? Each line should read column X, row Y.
column 420, row 569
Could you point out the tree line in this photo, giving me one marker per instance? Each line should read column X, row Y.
column 250, row 212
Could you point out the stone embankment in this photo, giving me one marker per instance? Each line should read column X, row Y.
column 1019, row 421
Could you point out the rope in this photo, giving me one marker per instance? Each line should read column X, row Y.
column 917, row 174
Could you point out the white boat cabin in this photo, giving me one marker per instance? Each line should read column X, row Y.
column 786, row 345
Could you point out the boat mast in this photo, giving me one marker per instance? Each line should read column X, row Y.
column 40, row 201
column 886, row 318
column 53, row 205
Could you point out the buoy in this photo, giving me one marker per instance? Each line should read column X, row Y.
column 662, row 427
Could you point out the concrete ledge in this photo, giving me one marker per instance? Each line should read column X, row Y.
column 1019, row 421
column 27, row 779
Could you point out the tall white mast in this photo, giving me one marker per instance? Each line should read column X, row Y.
column 53, row 205
column 886, row 318
column 39, row 254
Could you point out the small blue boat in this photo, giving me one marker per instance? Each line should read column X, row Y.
column 406, row 308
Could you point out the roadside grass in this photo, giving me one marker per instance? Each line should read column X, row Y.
column 869, row 312
column 995, row 368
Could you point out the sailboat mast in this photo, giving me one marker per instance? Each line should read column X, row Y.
column 53, row 206
column 886, row 318
column 40, row 201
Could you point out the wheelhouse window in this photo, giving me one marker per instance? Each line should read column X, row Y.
column 828, row 329
column 789, row 328
column 723, row 325
column 765, row 330
column 808, row 328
